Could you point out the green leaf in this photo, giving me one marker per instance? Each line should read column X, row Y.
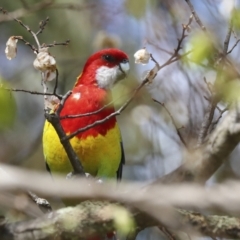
column 236, row 18
column 202, row 47
column 7, row 107
column 123, row 220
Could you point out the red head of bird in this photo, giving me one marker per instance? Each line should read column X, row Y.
column 104, row 68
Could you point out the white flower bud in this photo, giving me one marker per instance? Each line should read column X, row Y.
column 11, row 48
column 45, row 63
column 142, row 56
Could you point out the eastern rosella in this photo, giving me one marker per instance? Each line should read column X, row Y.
column 100, row 148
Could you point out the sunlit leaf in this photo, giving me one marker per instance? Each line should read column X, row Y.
column 236, row 18
column 231, row 90
column 202, row 47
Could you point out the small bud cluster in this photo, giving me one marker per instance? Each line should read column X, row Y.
column 11, row 48
column 45, row 63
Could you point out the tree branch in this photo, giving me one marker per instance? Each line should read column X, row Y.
column 54, row 119
column 151, row 206
column 200, row 166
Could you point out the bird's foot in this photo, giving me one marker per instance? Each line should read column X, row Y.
column 99, row 180
column 73, row 175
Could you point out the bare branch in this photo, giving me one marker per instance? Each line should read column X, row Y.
column 196, row 17
column 173, row 121
column 56, row 44
column 31, row 92
column 213, row 153
column 236, row 43
column 53, row 118
column 43, row 204
column 155, row 200
column 42, row 25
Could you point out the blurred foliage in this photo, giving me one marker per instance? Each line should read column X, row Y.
column 151, row 144
column 236, row 18
column 202, row 47
column 7, row 107
column 135, row 9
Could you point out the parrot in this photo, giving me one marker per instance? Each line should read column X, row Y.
column 100, row 148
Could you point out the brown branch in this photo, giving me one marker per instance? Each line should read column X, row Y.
column 56, row 44
column 173, row 121
column 86, row 114
column 227, row 39
column 220, row 115
column 42, row 25
column 195, row 15
column 152, row 203
column 212, row 154
column 67, row 137
column 236, row 43
column 53, row 118
column 30, row 92
column 42, row 203
column 208, row 118
column 56, row 84
column 148, row 79
column 33, row 48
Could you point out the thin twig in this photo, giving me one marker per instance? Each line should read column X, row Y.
column 56, row 83
column 227, row 39
column 31, row 92
column 236, row 43
column 168, row 234
column 144, row 82
column 208, row 118
column 42, row 203
column 34, row 49
column 220, row 115
column 196, row 17
column 173, row 121
column 42, row 25
column 148, row 79
column 29, row 30
column 86, row 114
column 56, row 44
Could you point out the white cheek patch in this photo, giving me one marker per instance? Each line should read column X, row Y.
column 76, row 96
column 106, row 76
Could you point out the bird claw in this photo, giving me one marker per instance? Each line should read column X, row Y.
column 88, row 175
column 100, row 181
column 72, row 175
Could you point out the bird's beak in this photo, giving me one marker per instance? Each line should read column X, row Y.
column 124, row 68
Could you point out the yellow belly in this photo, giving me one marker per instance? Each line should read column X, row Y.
column 100, row 155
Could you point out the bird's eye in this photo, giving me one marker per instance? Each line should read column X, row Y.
column 108, row 58
column 125, row 60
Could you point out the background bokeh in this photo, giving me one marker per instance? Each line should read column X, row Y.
column 151, row 143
